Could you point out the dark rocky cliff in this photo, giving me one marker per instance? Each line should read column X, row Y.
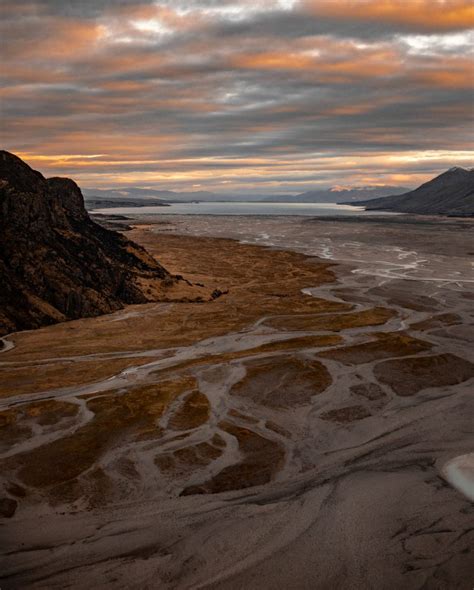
column 57, row 264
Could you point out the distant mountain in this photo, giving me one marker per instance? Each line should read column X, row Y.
column 335, row 195
column 144, row 197
column 92, row 203
column 57, row 264
column 141, row 197
column 450, row 193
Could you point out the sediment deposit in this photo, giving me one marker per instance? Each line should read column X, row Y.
column 291, row 433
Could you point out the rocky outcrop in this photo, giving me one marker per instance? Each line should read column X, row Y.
column 450, row 193
column 57, row 264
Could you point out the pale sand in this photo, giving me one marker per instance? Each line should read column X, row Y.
column 105, row 433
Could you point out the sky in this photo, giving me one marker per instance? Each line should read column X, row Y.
column 238, row 96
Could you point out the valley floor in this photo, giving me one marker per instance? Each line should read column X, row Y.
column 294, row 433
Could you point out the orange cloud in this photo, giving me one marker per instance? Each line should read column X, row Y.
column 349, row 64
column 447, row 73
column 269, row 172
column 29, row 74
column 70, row 38
column 273, row 61
column 444, row 79
column 58, row 40
column 442, row 15
column 371, row 64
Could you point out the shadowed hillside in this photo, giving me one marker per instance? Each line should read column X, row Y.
column 450, row 193
column 57, row 264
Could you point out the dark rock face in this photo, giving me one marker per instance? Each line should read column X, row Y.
column 450, row 193
column 55, row 262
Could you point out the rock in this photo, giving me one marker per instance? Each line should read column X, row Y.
column 57, row 264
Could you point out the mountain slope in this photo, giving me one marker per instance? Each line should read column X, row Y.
column 450, row 193
column 333, row 195
column 57, row 264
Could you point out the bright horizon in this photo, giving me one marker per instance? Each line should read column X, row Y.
column 279, row 96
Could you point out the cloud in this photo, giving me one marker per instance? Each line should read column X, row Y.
column 264, row 95
column 420, row 15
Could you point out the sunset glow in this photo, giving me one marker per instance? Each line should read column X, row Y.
column 271, row 96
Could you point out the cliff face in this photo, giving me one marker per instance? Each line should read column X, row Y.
column 57, row 264
column 450, row 193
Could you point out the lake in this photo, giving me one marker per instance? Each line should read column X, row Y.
column 242, row 208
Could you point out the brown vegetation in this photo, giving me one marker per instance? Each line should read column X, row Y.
column 411, row 375
column 282, row 382
column 132, row 415
column 330, row 322
column 370, row 391
column 263, row 459
column 438, row 321
column 384, row 346
column 346, row 415
column 191, row 413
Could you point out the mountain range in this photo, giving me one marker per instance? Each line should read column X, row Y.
column 337, row 195
column 141, row 197
column 450, row 193
column 148, row 193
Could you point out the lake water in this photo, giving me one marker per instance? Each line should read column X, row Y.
column 242, row 208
